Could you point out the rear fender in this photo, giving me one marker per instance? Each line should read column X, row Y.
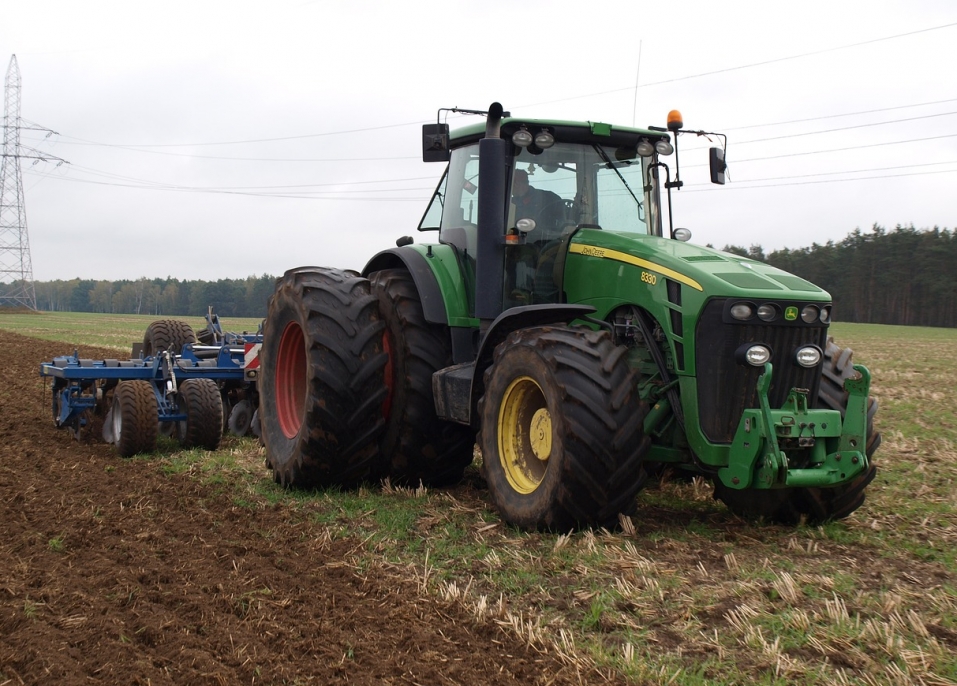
column 433, row 305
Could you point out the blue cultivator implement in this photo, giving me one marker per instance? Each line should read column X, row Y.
column 180, row 387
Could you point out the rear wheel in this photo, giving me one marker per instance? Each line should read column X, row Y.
column 562, row 438
column 133, row 418
column 167, row 334
column 814, row 505
column 199, row 400
column 322, row 384
column 419, row 444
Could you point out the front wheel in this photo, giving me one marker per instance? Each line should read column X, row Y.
column 562, row 437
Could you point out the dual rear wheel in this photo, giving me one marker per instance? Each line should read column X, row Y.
column 132, row 426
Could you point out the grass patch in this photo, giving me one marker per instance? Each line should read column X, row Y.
column 119, row 331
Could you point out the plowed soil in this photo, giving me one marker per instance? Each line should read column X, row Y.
column 113, row 572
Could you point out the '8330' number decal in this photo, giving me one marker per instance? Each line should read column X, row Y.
column 649, row 278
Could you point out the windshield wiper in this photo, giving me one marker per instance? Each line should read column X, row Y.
column 604, row 156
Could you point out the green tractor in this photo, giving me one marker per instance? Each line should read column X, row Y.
column 555, row 320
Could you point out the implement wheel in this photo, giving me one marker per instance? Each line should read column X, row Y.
column 814, row 505
column 240, row 418
column 322, row 384
column 167, row 334
column 562, row 439
column 419, row 444
column 133, row 418
column 200, row 401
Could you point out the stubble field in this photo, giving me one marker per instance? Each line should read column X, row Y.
column 193, row 567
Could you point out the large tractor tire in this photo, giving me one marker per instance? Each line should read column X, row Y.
column 419, row 445
column 132, row 425
column 562, row 437
column 199, row 400
column 167, row 334
column 791, row 506
column 322, row 384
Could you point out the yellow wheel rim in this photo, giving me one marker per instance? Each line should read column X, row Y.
column 524, row 434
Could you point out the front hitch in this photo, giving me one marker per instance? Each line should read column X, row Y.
column 836, row 446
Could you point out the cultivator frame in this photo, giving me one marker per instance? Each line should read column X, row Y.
column 83, row 386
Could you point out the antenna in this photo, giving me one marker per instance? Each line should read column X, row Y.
column 634, row 107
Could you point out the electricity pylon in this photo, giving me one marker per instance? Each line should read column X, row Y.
column 16, row 268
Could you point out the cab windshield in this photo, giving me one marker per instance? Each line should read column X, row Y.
column 572, row 185
column 561, row 188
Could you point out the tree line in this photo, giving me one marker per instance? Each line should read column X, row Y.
column 168, row 297
column 904, row 276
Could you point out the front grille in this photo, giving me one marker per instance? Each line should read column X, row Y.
column 726, row 388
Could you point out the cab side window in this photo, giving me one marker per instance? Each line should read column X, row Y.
column 432, row 219
column 460, row 206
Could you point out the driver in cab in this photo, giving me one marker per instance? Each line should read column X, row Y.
column 531, row 264
column 546, row 208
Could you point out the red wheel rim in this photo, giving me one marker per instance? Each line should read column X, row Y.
column 291, row 380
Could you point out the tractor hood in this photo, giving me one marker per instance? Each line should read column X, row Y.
column 706, row 270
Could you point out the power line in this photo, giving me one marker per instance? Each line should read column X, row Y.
column 749, row 66
column 834, row 116
column 835, row 130
column 806, row 183
column 832, row 173
column 135, row 147
column 262, row 159
column 818, row 152
column 844, row 128
column 82, row 141
column 187, row 189
column 123, row 177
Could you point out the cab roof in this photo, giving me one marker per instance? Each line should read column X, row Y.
column 562, row 129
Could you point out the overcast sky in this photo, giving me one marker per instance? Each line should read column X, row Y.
column 839, row 115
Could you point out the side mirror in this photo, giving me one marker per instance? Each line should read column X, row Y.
column 435, row 142
column 718, row 167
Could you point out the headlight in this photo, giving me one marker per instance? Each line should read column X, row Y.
column 810, row 314
column 742, row 311
column 825, row 314
column 544, row 140
column 645, row 148
column 754, row 354
column 767, row 312
column 522, row 138
column 664, row 147
column 808, row 356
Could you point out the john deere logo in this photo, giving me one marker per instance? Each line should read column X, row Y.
column 791, row 313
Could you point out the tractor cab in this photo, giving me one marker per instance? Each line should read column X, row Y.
column 557, row 178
